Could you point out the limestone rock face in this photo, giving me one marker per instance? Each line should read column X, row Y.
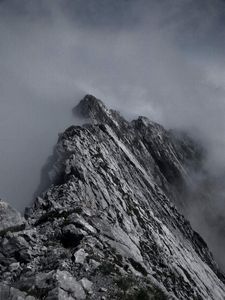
column 109, row 228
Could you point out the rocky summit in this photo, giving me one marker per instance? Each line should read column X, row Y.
column 108, row 226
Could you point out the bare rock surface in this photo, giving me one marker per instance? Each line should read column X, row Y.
column 10, row 219
column 109, row 227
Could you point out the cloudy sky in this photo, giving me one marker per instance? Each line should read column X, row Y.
column 163, row 59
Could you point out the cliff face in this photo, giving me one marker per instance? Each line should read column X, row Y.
column 108, row 227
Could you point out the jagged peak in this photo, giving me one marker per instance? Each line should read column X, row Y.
column 96, row 112
column 146, row 122
column 90, row 107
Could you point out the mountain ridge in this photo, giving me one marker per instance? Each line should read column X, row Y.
column 108, row 227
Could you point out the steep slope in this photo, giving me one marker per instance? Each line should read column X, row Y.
column 108, row 227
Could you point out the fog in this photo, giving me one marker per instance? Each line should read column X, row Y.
column 162, row 59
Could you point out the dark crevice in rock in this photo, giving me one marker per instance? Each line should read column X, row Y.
column 138, row 267
column 71, row 240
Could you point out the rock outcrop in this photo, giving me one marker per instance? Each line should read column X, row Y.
column 108, row 228
column 10, row 219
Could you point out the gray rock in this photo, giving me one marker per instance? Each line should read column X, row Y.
column 10, row 293
column 80, row 256
column 14, row 266
column 10, row 220
column 87, row 284
column 69, row 284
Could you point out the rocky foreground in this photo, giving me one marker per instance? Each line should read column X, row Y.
column 108, row 227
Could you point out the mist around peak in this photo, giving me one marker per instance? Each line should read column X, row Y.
column 160, row 59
